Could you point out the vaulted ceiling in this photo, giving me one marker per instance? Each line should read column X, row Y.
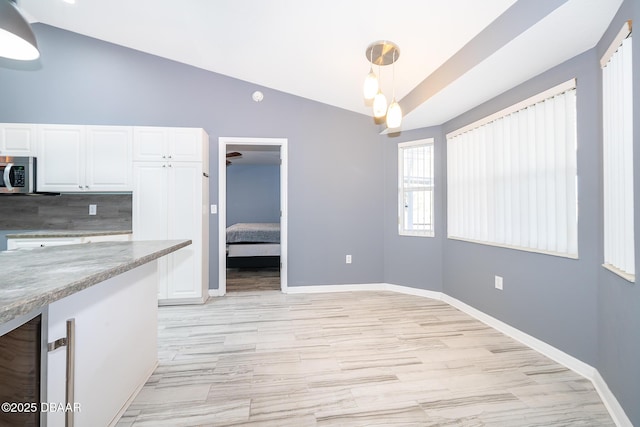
column 454, row 54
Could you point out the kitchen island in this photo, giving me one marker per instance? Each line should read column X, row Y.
column 110, row 290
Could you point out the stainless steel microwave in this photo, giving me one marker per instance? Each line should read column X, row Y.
column 17, row 175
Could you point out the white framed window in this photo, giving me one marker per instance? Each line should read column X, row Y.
column 415, row 188
column 512, row 176
column 617, row 156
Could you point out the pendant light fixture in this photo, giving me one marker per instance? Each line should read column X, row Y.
column 382, row 53
column 370, row 88
column 394, row 113
column 17, row 40
column 379, row 102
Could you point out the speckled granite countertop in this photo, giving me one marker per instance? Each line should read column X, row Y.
column 32, row 279
column 39, row 234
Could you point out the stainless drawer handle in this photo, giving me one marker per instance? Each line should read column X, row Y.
column 60, row 342
column 70, row 342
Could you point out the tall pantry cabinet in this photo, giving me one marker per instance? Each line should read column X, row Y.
column 170, row 201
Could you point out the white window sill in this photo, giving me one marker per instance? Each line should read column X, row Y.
column 626, row 276
column 518, row 248
column 416, row 233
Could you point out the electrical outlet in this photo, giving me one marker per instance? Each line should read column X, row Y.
column 93, row 209
column 498, row 282
column 348, row 260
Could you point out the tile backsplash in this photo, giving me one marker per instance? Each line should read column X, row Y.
column 65, row 212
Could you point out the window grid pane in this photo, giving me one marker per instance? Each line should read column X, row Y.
column 416, row 188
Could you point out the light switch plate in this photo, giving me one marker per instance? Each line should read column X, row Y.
column 214, row 209
column 93, row 209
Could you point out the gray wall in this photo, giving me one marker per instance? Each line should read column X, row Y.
column 549, row 297
column 618, row 300
column 253, row 193
column 410, row 260
column 335, row 185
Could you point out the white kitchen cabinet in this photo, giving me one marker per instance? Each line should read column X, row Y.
column 170, row 201
column 74, row 158
column 115, row 346
column 167, row 144
column 150, row 202
column 109, row 162
column 17, row 139
column 61, row 165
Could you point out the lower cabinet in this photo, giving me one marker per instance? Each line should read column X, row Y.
column 115, row 347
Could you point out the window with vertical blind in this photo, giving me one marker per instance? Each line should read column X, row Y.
column 512, row 177
column 415, row 188
column 617, row 156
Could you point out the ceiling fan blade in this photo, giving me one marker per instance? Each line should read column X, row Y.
column 234, row 154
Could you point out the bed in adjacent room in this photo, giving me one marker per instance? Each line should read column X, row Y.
column 253, row 239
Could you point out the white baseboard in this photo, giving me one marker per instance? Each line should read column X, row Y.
column 133, row 396
column 335, row 288
column 610, row 401
column 585, row 370
column 414, row 291
column 182, row 301
column 551, row 352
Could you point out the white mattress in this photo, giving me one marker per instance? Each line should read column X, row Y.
column 254, row 249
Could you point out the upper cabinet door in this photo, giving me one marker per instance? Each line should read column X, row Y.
column 185, row 144
column 17, row 139
column 167, row 144
column 109, row 164
column 150, row 144
column 61, row 158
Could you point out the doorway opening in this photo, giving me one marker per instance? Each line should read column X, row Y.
column 252, row 237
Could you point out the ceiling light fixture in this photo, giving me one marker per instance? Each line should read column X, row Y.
column 17, row 40
column 394, row 113
column 379, row 102
column 382, row 53
column 370, row 88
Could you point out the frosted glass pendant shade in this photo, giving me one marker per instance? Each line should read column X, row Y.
column 17, row 40
column 379, row 105
column 370, row 87
column 394, row 115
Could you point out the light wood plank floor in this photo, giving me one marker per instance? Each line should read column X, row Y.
column 264, row 358
column 253, row 279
